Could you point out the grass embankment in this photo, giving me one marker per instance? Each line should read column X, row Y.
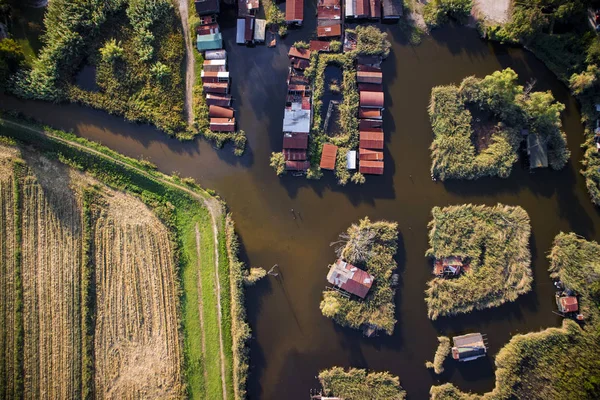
column 559, row 34
column 179, row 210
column 494, row 241
column 441, row 353
column 556, row 363
column 370, row 246
column 358, row 384
column 199, row 106
column 370, row 41
column 477, row 126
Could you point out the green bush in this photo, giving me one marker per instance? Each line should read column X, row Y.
column 494, row 241
column 358, row 384
column 278, row 163
column 111, row 51
column 11, row 59
column 441, row 354
column 438, row 12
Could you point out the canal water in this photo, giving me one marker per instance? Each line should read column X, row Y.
column 292, row 341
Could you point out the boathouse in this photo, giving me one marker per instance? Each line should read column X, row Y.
column 468, row 347
column 218, row 99
column 370, row 167
column 260, row 30
column 294, row 11
column 211, row 41
column 447, row 266
column 371, row 140
column 371, row 100
column 350, row 278
column 328, row 155
column 214, row 65
column 392, row 9
column 567, row 304
column 299, row 53
column 319, row 45
column 207, row 7
column 370, row 155
column 329, row 31
column 219, row 112
column 351, row 160
column 222, row 124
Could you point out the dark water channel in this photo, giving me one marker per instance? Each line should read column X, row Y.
column 292, row 340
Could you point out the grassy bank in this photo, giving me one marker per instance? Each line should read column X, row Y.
column 181, row 213
column 478, row 126
column 494, row 241
column 370, row 246
column 358, row 384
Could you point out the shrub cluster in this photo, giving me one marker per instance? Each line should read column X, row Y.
column 370, row 246
column 358, row 384
column 438, row 12
column 507, row 105
column 495, row 243
column 441, row 353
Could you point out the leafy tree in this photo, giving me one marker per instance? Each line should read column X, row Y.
column 160, row 71
column 438, row 12
column 579, row 83
column 278, row 163
column 11, row 58
column 330, row 306
column 111, row 51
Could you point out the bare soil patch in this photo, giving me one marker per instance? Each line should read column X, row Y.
column 483, row 126
column 494, row 11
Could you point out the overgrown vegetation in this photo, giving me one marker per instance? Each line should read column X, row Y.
column 370, row 246
column 478, row 126
column 559, row 33
column 556, row 363
column 438, row 12
column 494, row 242
column 441, row 353
column 358, row 384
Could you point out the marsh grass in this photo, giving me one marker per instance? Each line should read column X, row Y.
column 358, row 384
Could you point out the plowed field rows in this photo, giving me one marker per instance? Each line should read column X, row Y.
column 8, row 271
column 137, row 343
column 51, row 275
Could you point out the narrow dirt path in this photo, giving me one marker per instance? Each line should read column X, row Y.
column 201, row 303
column 213, row 206
column 189, row 62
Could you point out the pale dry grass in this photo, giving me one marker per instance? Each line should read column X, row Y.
column 7, row 275
column 51, row 276
column 137, row 341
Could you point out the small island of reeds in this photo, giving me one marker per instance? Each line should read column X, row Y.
column 556, row 363
column 481, row 258
column 368, row 247
column 358, row 384
column 479, row 126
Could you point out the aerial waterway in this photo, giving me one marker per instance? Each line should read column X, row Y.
column 292, row 340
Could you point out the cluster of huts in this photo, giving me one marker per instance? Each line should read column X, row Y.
column 370, row 87
column 329, row 19
column 249, row 28
column 373, row 9
column 329, row 13
column 297, row 115
column 214, row 75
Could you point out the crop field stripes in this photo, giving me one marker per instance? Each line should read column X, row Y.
column 137, row 338
column 51, row 271
column 9, row 362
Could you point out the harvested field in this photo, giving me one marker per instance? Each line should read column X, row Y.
column 51, row 276
column 8, row 275
column 137, row 341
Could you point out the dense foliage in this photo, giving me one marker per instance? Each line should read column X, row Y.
column 443, row 350
column 11, row 59
column 556, row 363
column 494, row 241
column 357, row 384
column 370, row 246
column 438, row 12
column 136, row 48
column 478, row 125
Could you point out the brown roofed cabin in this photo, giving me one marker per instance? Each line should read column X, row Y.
column 297, row 165
column 370, row 125
column 328, row 156
column 371, row 99
column 371, row 167
column 468, row 347
column 218, row 100
column 207, row 7
column 371, row 113
column 329, row 31
column 375, row 9
column 319, row 45
column 567, row 304
column 370, row 87
column 447, row 266
column 294, row 11
column 350, row 278
column 370, row 155
column 219, row 112
column 369, row 77
column 294, row 155
column 295, row 140
column 222, row 124
column 371, row 140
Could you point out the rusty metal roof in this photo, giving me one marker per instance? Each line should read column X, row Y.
column 329, row 31
column 369, row 113
column 371, row 167
column 350, row 278
column 222, row 124
column 369, row 77
column 294, row 10
column 328, row 156
column 370, row 155
column 297, row 165
column 370, row 125
column 294, row 155
column 371, row 99
column 219, row 112
column 319, row 45
column 371, row 140
column 295, row 141
column 299, row 53
column 375, row 8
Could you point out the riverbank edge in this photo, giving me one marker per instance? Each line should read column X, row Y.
column 186, row 188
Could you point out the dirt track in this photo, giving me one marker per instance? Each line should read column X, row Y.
column 189, row 62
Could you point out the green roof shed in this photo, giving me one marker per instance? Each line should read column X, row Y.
column 212, row 41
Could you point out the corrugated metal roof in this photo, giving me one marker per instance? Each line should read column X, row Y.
column 369, row 77
column 295, row 141
column 328, row 156
column 294, row 155
column 568, row 304
column 370, row 155
column 371, row 99
column 299, row 53
column 215, row 55
column 319, row 45
column 370, row 125
column 260, row 30
column 371, row 140
column 220, row 112
column 392, row 9
column 294, row 10
column 350, row 7
column 371, row 167
column 351, row 159
column 240, row 32
column 329, row 31
column 350, row 278
column 362, row 8
column 207, row 29
column 218, row 100
column 249, row 31
column 297, row 165
column 207, row 7
column 212, row 41
column 374, row 113
column 329, row 3
column 329, row 13
column 375, row 8
column 222, row 124
column 216, row 87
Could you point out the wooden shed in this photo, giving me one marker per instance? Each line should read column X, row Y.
column 371, row 167
column 371, row 140
column 328, row 156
